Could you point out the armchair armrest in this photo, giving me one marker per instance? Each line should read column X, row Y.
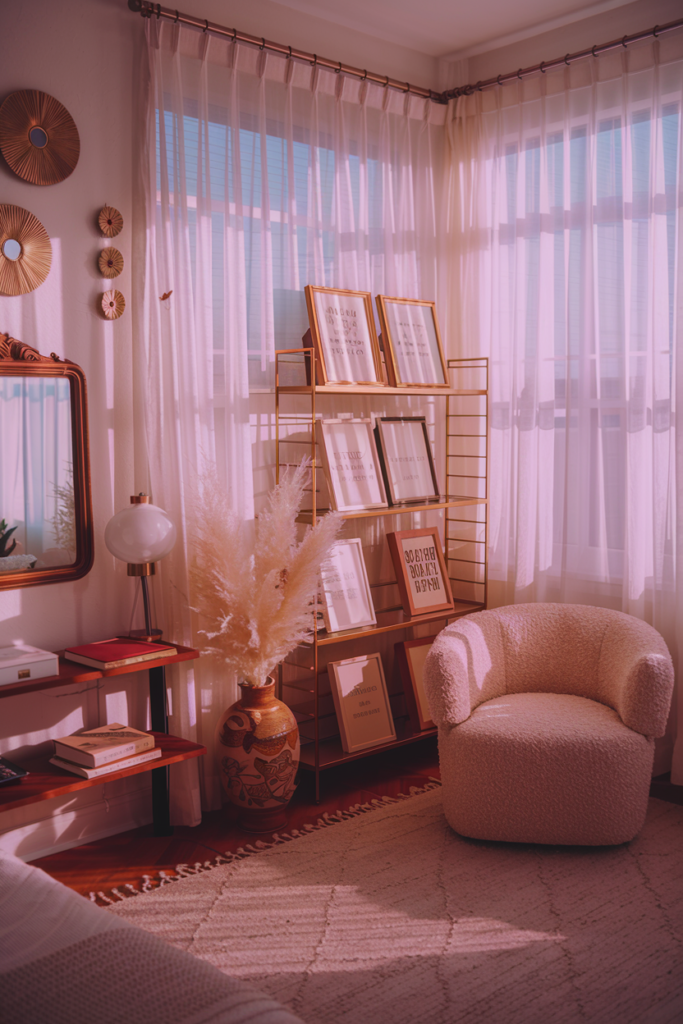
column 636, row 675
column 465, row 666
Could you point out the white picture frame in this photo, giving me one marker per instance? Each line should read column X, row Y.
column 406, row 459
column 346, row 595
column 352, row 464
column 361, row 702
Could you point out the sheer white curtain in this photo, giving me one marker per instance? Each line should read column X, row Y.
column 566, row 202
column 259, row 176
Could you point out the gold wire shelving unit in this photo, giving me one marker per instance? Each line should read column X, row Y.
column 461, row 418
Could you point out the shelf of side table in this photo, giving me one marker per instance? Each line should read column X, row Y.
column 175, row 749
column 46, row 781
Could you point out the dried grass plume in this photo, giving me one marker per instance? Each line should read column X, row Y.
column 254, row 587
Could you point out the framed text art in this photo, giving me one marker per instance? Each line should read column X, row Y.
column 352, row 464
column 411, row 656
column 344, row 336
column 412, row 343
column 420, row 571
column 361, row 701
column 406, row 459
column 347, row 599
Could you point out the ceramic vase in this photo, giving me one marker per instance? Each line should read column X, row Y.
column 257, row 740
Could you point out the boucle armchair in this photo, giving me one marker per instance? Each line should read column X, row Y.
column 547, row 715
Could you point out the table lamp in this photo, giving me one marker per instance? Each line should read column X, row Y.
column 140, row 535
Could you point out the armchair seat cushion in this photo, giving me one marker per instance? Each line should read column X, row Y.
column 545, row 768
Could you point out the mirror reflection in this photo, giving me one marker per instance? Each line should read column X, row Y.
column 38, row 137
column 11, row 249
column 37, row 508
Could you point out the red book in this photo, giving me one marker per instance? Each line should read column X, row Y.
column 117, row 652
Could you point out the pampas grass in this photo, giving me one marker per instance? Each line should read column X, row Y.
column 256, row 594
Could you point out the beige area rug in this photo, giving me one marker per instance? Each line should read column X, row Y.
column 391, row 918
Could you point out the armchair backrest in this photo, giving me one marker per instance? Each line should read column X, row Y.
column 597, row 653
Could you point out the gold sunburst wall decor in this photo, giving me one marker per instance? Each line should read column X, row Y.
column 38, row 137
column 113, row 304
column 110, row 221
column 110, row 262
column 25, row 251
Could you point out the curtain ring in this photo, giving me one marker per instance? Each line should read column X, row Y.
column 478, row 85
column 593, row 49
column 407, row 87
column 206, row 27
column 337, row 70
column 655, row 33
column 288, row 56
column 314, row 62
column 623, row 41
column 498, row 80
column 158, row 11
column 541, row 68
column 263, row 43
column 365, row 74
column 566, row 59
column 177, row 16
column 519, row 74
column 387, row 82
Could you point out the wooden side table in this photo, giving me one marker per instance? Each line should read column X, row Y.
column 46, row 781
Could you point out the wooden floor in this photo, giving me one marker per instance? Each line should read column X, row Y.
column 127, row 857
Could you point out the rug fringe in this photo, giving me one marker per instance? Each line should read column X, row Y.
column 152, row 882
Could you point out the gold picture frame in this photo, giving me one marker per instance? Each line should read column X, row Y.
column 361, row 702
column 412, row 343
column 410, row 656
column 343, row 337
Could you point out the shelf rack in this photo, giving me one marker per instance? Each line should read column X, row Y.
column 464, row 425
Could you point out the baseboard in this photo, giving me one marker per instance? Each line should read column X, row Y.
column 100, row 812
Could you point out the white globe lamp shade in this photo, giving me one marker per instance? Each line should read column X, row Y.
column 140, row 534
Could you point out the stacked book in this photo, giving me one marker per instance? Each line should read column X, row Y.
column 110, row 748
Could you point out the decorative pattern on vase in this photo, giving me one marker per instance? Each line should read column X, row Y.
column 258, row 744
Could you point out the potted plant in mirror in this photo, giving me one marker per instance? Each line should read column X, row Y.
column 255, row 586
column 10, row 562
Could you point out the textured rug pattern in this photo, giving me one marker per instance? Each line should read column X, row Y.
column 391, row 918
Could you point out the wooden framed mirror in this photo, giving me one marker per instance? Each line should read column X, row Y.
column 46, row 531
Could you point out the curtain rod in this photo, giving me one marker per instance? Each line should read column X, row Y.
column 569, row 58
column 151, row 10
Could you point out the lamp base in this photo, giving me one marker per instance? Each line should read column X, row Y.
column 152, row 636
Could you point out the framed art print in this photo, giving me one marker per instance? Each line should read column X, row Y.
column 346, row 595
column 352, row 464
column 412, row 343
column 361, row 701
column 420, row 571
column 406, row 459
column 344, row 336
column 411, row 656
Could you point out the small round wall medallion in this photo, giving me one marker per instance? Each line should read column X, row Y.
column 110, row 262
column 110, row 221
column 113, row 304
column 38, row 137
column 25, row 251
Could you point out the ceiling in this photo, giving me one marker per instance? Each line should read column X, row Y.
column 448, row 28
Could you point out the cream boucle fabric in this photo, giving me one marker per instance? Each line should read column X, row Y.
column 65, row 961
column 567, row 756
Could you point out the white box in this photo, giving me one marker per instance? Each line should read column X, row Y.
column 22, row 663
